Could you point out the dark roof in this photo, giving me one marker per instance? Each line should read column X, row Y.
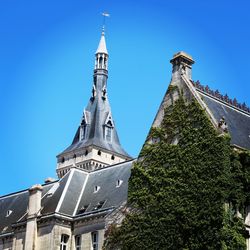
column 71, row 194
column 97, row 112
column 238, row 121
column 17, row 203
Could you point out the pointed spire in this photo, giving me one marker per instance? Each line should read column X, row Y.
column 102, row 49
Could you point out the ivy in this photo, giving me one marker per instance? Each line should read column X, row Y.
column 179, row 187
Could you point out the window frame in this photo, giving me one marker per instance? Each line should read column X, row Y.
column 108, row 133
column 78, row 242
column 64, row 242
column 94, row 239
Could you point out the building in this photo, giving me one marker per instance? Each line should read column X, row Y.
column 74, row 211
column 71, row 212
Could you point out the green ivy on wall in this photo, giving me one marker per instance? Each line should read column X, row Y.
column 179, row 187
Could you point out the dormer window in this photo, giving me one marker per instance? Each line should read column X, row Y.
column 119, row 183
column 83, row 209
column 53, row 189
column 9, row 212
column 84, row 122
column 96, row 189
column 108, row 134
column 99, row 205
column 108, row 129
column 83, row 132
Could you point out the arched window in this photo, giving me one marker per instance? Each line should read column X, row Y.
column 100, row 62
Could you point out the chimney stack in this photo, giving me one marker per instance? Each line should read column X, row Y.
column 34, row 208
column 182, row 65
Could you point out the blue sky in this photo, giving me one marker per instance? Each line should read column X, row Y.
column 46, row 65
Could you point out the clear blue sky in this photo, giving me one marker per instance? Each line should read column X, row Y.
column 46, row 65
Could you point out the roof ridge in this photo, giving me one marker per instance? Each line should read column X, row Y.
column 26, row 189
column 224, row 98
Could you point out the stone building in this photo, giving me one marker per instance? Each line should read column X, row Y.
column 74, row 211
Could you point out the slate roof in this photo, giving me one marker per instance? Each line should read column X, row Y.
column 237, row 120
column 70, row 194
column 17, row 203
column 98, row 111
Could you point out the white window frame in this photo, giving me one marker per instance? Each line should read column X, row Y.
column 64, row 242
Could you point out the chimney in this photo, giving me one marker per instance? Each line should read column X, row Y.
column 35, row 196
column 182, row 64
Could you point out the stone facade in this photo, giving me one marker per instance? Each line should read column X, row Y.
column 89, row 159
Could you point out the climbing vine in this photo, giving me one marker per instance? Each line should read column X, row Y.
column 179, row 187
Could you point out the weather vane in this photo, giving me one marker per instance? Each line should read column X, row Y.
column 105, row 14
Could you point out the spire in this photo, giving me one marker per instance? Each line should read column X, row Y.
column 102, row 49
column 97, row 132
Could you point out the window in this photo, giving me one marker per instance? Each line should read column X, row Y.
column 96, row 189
column 99, row 205
column 83, row 209
column 78, row 242
column 109, row 134
column 99, row 152
column 83, row 132
column 9, row 212
column 112, row 157
column 64, row 242
column 100, row 62
column 119, row 183
column 53, row 189
column 94, row 236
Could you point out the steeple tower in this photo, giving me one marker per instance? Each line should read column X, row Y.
column 96, row 143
